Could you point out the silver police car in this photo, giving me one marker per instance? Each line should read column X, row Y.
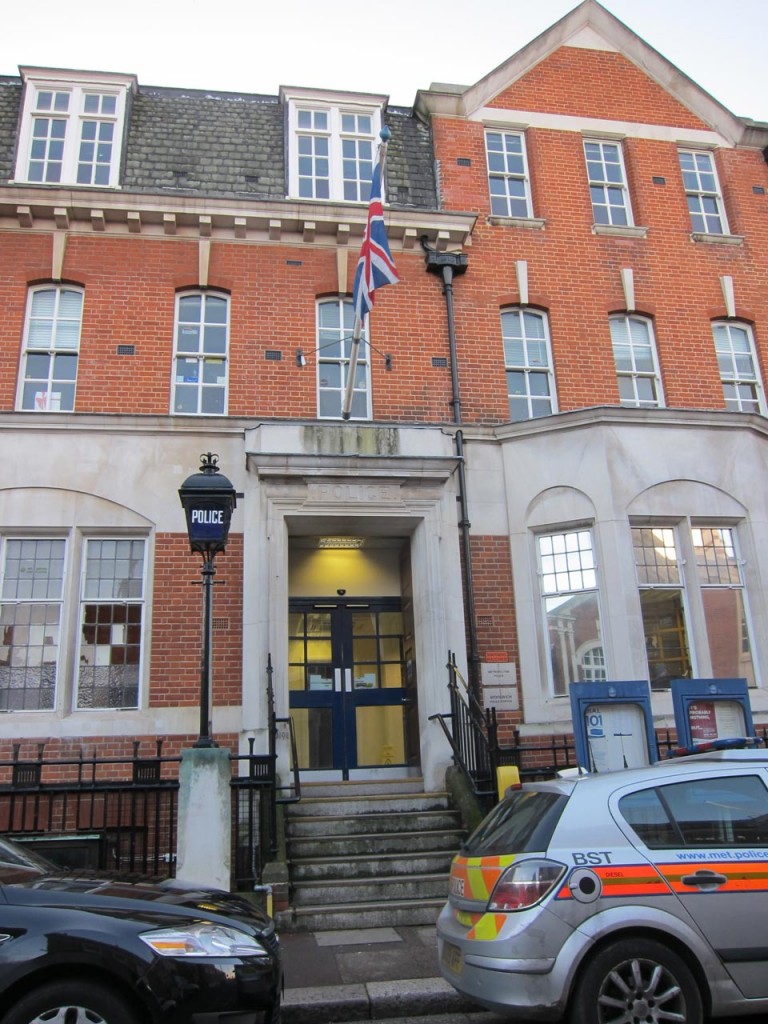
column 632, row 896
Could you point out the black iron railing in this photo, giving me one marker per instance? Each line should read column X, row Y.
column 110, row 814
column 473, row 733
column 466, row 727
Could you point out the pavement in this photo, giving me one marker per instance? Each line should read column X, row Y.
column 369, row 974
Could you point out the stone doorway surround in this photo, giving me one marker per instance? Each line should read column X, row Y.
column 359, row 479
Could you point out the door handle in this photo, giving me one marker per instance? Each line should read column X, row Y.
column 337, row 680
column 347, row 680
column 704, row 879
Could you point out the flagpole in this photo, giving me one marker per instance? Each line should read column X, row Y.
column 357, row 330
column 374, row 268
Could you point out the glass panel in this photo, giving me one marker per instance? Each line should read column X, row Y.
column 314, row 738
column 319, row 676
column 666, row 642
column 392, row 675
column 728, row 634
column 720, row 812
column 380, row 736
column 318, row 650
column 365, row 677
column 296, row 676
column 655, row 555
column 573, row 625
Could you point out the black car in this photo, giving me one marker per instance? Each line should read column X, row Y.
column 85, row 951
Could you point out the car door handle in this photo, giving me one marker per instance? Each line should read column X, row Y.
column 710, row 879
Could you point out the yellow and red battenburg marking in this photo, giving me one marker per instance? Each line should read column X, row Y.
column 488, row 927
column 479, row 874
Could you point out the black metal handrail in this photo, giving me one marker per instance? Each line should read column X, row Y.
column 467, row 730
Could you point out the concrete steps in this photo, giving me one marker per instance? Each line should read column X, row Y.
column 368, row 855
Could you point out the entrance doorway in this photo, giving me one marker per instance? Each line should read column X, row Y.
column 352, row 687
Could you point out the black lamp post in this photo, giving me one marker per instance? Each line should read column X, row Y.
column 209, row 499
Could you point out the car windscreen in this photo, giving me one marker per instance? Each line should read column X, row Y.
column 522, row 823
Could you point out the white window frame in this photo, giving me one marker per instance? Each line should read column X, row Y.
column 334, row 105
column 98, row 648
column 668, row 545
column 46, row 398
column 59, row 600
column 529, row 368
column 720, row 573
column 635, row 374
column 76, row 86
column 702, row 186
column 206, row 359
column 734, row 375
column 508, row 174
column 339, row 360
column 604, row 182
column 569, row 569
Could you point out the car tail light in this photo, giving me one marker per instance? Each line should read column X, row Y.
column 524, row 884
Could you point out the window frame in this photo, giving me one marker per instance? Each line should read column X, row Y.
column 508, row 175
column 634, row 375
column 735, row 380
column 335, row 106
column 731, row 585
column 605, row 184
column 76, row 85
column 83, row 600
column 51, row 351
column 691, row 566
column 200, row 356
column 680, row 586
column 528, row 369
column 701, row 193
column 343, row 361
column 61, row 645
column 579, row 645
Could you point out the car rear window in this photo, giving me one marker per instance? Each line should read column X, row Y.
column 522, row 823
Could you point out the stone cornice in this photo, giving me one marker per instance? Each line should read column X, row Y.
column 116, row 212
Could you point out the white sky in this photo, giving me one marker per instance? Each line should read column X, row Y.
column 392, row 47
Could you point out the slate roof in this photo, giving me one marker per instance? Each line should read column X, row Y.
column 10, row 99
column 229, row 145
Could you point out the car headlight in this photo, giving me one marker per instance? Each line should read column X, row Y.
column 203, row 940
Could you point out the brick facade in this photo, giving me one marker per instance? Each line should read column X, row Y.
column 218, row 217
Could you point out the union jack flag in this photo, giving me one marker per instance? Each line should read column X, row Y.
column 375, row 267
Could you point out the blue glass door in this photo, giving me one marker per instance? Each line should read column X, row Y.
column 349, row 696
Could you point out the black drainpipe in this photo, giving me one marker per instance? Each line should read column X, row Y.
column 448, row 265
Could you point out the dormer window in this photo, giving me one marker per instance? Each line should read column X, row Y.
column 332, row 144
column 72, row 128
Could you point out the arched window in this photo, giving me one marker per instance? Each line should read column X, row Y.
column 739, row 371
column 637, row 368
column 528, row 364
column 51, row 349
column 200, row 356
column 335, row 322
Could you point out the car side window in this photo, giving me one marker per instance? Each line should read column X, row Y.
column 719, row 812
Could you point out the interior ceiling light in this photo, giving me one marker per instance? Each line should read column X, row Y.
column 340, row 542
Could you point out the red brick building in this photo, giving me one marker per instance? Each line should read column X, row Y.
column 562, row 397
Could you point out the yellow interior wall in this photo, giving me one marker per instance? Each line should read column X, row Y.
column 318, row 572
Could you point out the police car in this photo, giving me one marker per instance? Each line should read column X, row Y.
column 634, row 896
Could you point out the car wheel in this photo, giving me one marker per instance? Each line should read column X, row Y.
column 273, row 1015
column 636, row 980
column 70, row 1002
